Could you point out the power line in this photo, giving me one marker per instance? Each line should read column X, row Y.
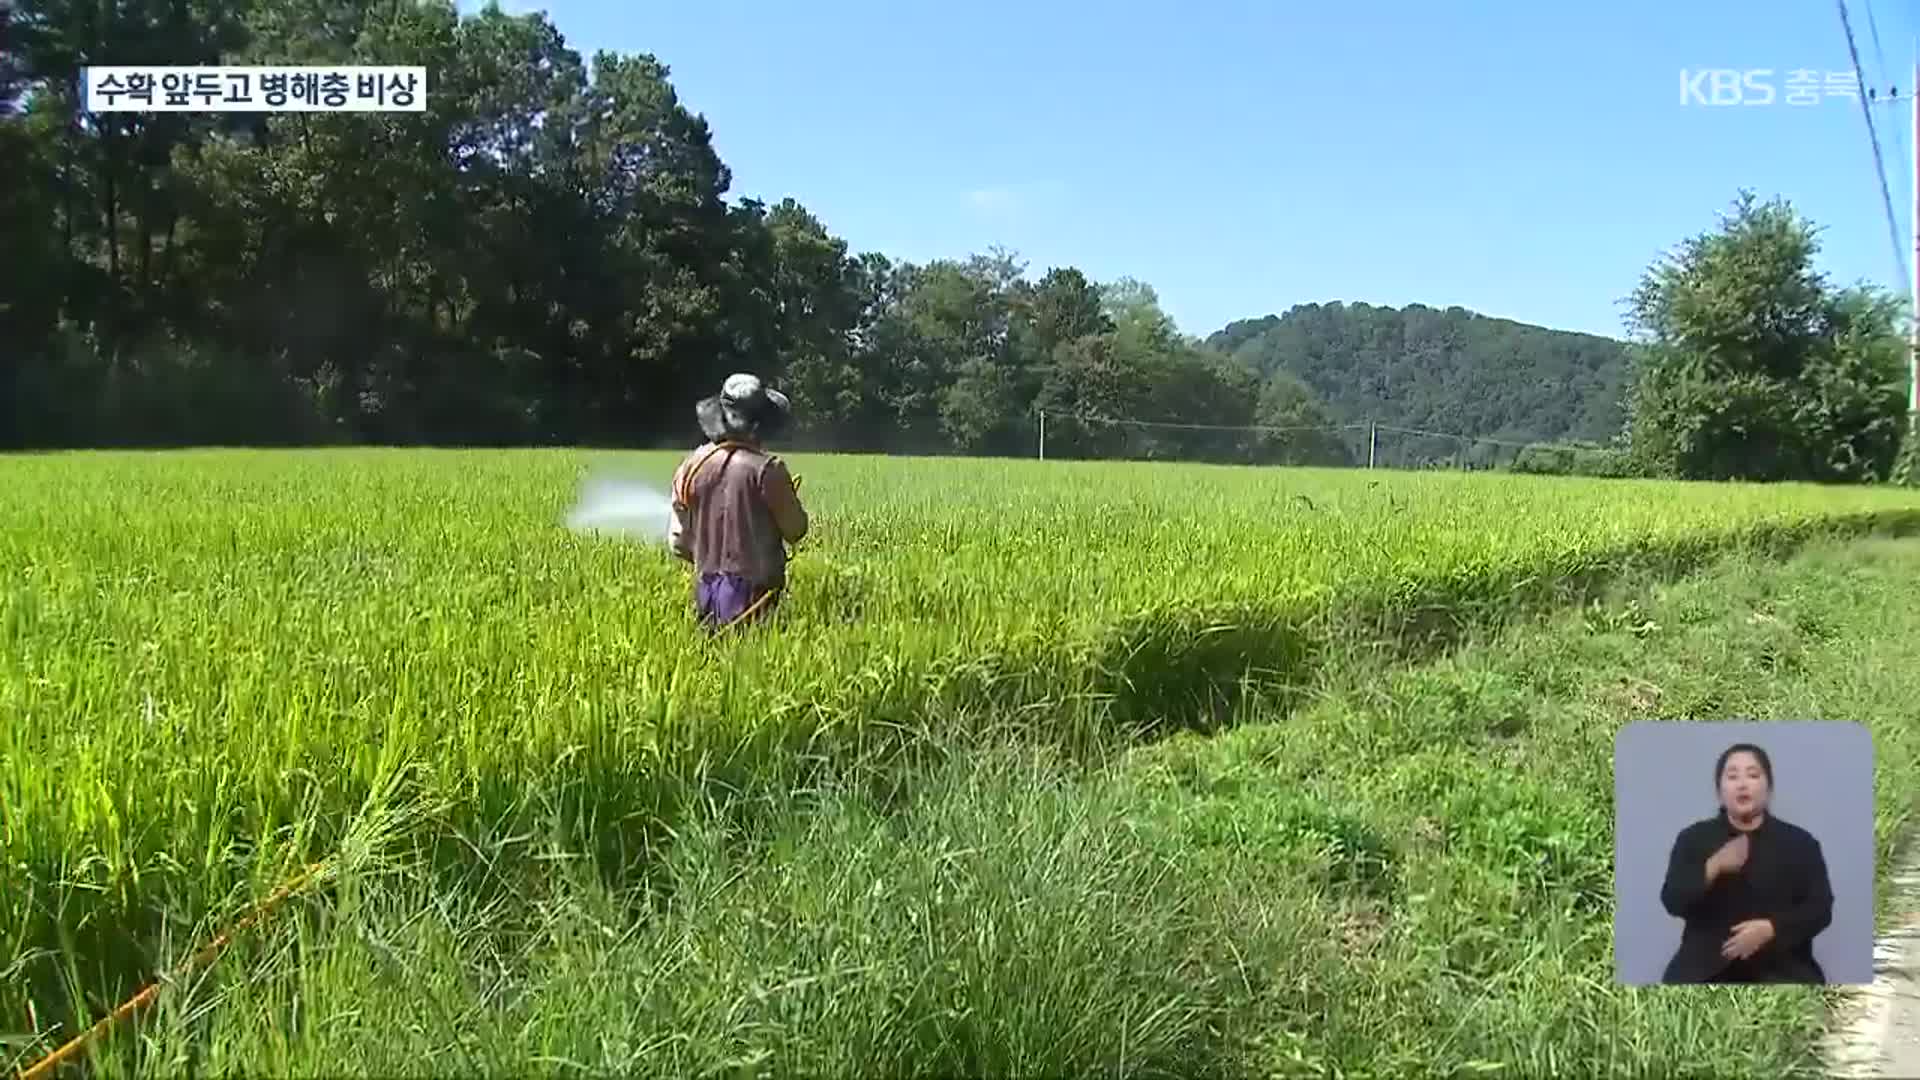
column 1462, row 438
column 1873, row 137
column 1206, row 427
column 1873, row 30
column 1305, row 427
column 1893, row 89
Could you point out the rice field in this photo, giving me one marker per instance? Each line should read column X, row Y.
column 217, row 667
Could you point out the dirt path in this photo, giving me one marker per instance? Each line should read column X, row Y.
column 1877, row 1030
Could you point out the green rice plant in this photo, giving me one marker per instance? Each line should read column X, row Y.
column 212, row 662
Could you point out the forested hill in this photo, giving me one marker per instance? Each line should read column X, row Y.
column 1451, row 371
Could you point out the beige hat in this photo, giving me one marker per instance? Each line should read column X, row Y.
column 745, row 406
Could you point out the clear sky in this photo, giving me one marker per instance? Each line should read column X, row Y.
column 1522, row 158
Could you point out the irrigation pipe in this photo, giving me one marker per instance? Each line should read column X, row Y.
column 45, row 1066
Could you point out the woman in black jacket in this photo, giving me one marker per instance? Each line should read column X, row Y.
column 1752, row 888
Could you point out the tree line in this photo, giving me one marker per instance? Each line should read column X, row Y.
column 548, row 254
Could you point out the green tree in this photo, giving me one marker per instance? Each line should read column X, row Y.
column 31, row 272
column 1300, row 432
column 1752, row 367
column 1133, row 308
column 838, row 393
column 947, row 322
column 1061, row 307
column 1093, row 383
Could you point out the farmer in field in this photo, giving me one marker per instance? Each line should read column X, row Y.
column 735, row 506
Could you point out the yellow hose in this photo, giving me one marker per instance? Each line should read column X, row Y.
column 751, row 608
column 45, row 1066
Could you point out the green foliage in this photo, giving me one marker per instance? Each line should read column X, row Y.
column 1449, row 371
column 1906, row 467
column 1300, row 428
column 1573, row 459
column 1753, row 368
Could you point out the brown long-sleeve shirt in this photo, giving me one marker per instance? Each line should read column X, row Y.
column 735, row 514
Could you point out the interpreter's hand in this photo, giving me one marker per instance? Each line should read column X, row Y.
column 1730, row 858
column 796, row 485
column 1748, row 938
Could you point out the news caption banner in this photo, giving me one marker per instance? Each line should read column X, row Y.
column 1664, row 774
column 257, row 88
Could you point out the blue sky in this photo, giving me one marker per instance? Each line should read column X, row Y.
column 1522, row 159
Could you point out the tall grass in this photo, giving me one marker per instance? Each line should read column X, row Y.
column 845, row 940
column 216, row 667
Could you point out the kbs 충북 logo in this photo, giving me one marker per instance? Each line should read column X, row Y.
column 1765, row 86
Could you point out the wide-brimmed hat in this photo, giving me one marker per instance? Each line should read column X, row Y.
column 745, row 406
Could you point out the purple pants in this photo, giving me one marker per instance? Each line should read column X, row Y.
column 719, row 599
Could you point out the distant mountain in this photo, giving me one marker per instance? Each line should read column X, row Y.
column 1451, row 371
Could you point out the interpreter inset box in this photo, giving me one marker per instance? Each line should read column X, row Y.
column 1743, row 853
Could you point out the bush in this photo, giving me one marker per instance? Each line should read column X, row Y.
column 1572, row 459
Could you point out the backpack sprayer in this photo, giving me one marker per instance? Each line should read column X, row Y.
column 683, row 501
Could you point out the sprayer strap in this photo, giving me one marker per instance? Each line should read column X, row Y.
column 684, row 496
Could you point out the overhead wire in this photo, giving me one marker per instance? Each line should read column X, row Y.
column 1893, row 91
column 1873, row 137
